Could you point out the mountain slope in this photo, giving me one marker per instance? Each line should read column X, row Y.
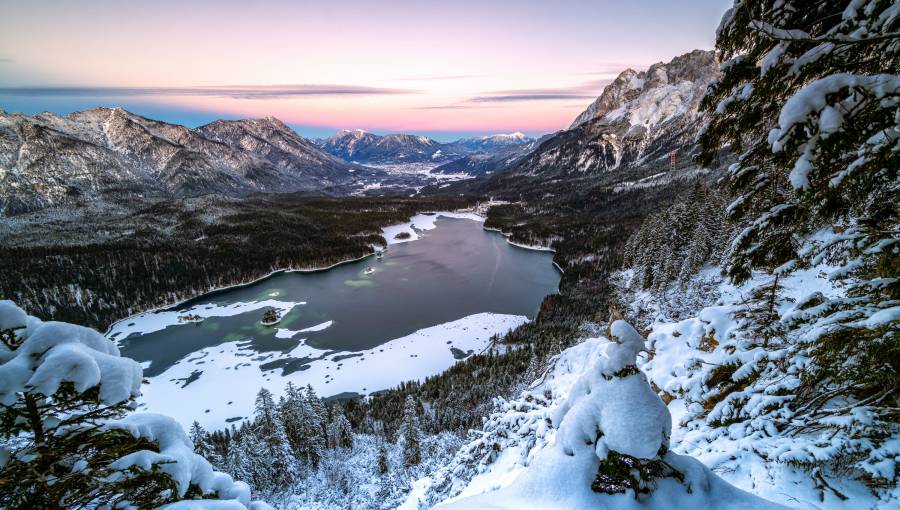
column 638, row 120
column 48, row 159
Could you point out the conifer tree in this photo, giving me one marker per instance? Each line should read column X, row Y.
column 409, row 431
column 340, row 433
column 69, row 437
column 809, row 100
column 268, row 429
column 203, row 445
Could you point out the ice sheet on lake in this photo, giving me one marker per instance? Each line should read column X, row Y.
column 231, row 374
column 422, row 222
column 152, row 321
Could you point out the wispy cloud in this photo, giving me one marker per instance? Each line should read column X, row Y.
column 586, row 90
column 5, row 60
column 235, row 92
column 453, row 107
column 527, row 97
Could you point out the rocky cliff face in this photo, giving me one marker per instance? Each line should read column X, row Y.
column 638, row 119
column 48, row 160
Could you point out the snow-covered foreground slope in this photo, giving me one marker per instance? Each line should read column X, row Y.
column 518, row 459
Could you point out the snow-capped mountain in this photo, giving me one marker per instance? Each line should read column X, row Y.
column 494, row 142
column 493, row 155
column 363, row 147
column 638, row 119
column 48, row 159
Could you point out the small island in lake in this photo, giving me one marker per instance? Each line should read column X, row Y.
column 271, row 317
column 191, row 317
column 369, row 270
column 403, row 235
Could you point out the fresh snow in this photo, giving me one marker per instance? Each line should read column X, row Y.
column 52, row 353
column 627, row 416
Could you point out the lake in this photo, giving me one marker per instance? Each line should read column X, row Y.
column 346, row 330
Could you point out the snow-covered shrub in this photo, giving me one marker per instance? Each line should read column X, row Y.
column 68, row 438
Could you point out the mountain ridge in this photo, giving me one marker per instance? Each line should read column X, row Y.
column 48, row 159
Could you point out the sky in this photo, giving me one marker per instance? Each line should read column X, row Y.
column 440, row 68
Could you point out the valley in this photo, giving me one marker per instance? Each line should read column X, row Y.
column 676, row 287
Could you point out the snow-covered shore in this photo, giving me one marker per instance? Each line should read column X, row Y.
column 422, row 222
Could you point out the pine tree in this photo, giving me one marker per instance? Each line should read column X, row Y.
column 66, row 418
column 808, row 100
column 383, row 465
column 267, row 428
column 409, row 431
column 340, row 432
column 203, row 445
column 315, row 428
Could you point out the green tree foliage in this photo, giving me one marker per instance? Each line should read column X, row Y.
column 410, row 434
column 809, row 102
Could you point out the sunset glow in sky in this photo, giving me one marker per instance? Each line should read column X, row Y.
column 445, row 68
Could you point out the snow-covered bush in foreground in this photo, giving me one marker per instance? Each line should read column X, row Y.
column 68, row 438
column 611, row 447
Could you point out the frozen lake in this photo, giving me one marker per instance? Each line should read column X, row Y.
column 344, row 330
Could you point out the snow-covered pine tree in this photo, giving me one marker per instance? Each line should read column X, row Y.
column 202, row 444
column 383, row 465
column 247, row 458
column 68, row 434
column 268, row 429
column 340, row 433
column 316, row 425
column 410, row 434
column 809, row 101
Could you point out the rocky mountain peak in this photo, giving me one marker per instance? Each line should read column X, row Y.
column 653, row 96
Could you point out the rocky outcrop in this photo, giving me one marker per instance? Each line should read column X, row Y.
column 638, row 119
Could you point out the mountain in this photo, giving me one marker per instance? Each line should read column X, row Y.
column 494, row 142
column 48, row 159
column 272, row 140
column 366, row 148
column 493, row 154
column 638, row 120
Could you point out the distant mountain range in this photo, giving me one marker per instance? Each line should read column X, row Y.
column 362, row 147
column 48, row 160
column 626, row 134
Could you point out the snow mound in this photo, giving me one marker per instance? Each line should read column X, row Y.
column 610, row 409
column 626, row 412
